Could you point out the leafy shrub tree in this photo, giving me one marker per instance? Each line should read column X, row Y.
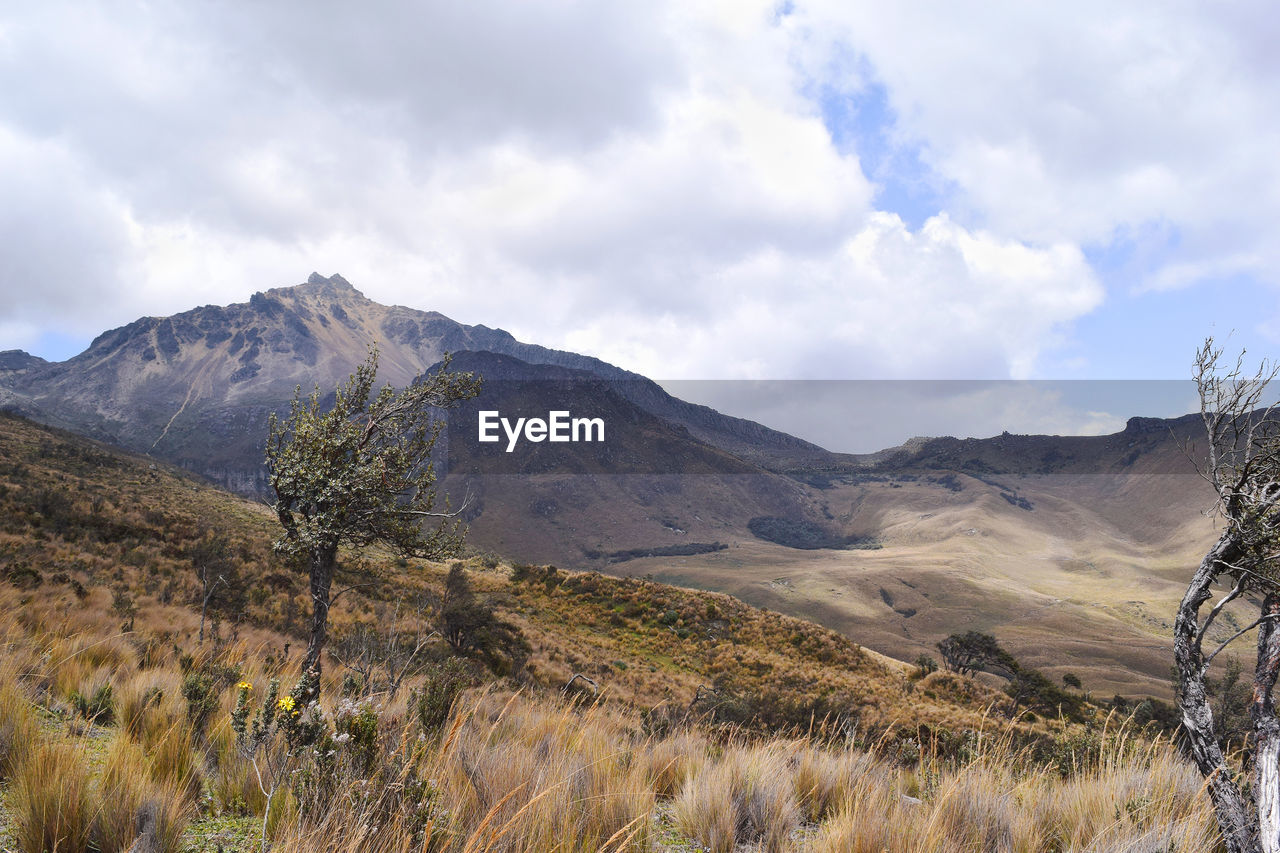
column 215, row 569
column 470, row 626
column 1032, row 690
column 432, row 703
column 361, row 473
column 973, row 651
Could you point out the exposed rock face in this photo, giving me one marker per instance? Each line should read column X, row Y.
column 18, row 361
column 13, row 364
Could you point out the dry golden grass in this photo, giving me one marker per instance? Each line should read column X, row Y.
column 524, row 775
column 824, row 779
column 746, row 795
column 516, row 767
column 172, row 762
column 149, row 703
column 668, row 762
column 18, row 727
column 51, row 799
column 133, row 801
column 999, row 804
column 515, row 771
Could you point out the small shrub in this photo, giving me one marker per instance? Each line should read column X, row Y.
column 356, row 726
column 122, row 603
column 96, row 706
column 432, row 702
column 23, row 576
column 202, row 699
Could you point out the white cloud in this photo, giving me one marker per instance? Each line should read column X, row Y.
column 1070, row 125
column 941, row 302
column 650, row 183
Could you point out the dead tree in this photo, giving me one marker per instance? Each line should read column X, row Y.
column 1242, row 463
column 395, row 651
column 211, row 559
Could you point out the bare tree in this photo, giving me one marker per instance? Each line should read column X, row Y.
column 397, row 651
column 211, row 559
column 1242, row 463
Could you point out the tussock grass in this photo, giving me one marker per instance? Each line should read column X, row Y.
column 667, row 763
column 172, row 762
column 747, row 795
column 997, row 802
column 519, row 771
column 51, row 799
column 132, row 802
column 825, row 779
column 18, row 727
column 562, row 779
column 148, row 704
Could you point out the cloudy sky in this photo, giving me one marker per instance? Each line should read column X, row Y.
column 796, row 190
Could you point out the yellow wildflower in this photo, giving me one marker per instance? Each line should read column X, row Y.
column 285, row 703
column 244, row 685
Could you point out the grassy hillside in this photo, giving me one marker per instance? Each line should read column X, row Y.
column 715, row 723
column 1086, row 580
column 102, row 532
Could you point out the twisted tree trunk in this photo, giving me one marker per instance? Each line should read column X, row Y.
column 323, row 562
column 1266, row 727
column 1235, row 817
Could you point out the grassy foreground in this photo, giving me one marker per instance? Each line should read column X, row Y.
column 103, row 739
column 120, row 730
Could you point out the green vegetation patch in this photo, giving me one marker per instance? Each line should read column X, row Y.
column 805, row 535
column 688, row 549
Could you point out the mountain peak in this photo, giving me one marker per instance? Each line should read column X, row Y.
column 334, row 280
column 16, row 359
column 318, row 285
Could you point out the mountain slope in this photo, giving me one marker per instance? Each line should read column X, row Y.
column 651, row 486
column 1072, row 550
column 196, row 388
column 96, row 532
column 1076, row 566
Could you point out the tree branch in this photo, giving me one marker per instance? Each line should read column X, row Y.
column 333, row 598
column 1204, row 667
column 1217, row 608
